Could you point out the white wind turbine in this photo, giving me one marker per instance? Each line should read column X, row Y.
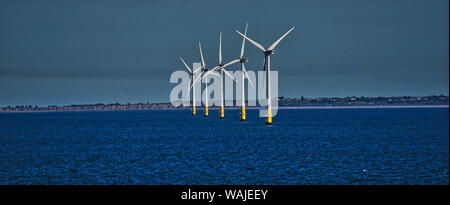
column 221, row 67
column 243, row 75
column 267, row 52
column 191, row 80
column 202, row 75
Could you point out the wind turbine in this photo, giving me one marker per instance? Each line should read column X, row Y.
column 267, row 52
column 192, row 73
column 204, row 74
column 221, row 67
column 243, row 75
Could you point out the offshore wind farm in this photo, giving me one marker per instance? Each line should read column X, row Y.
column 164, row 93
column 244, row 75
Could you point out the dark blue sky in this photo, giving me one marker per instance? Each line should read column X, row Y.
column 73, row 52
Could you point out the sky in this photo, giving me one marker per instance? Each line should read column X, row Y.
column 82, row 52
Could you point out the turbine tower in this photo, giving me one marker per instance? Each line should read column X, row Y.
column 206, row 84
column 191, row 72
column 267, row 52
column 244, row 74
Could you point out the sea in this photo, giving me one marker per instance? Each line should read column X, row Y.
column 364, row 146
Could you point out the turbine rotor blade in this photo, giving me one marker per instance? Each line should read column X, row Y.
column 264, row 67
column 231, row 63
column 243, row 42
column 196, row 80
column 281, row 38
column 189, row 90
column 201, row 55
column 229, row 75
column 215, row 68
column 248, row 77
column 186, row 65
column 214, row 73
column 220, row 48
column 196, row 70
column 257, row 45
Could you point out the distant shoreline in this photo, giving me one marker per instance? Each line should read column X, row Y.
column 432, row 101
column 363, row 106
column 248, row 108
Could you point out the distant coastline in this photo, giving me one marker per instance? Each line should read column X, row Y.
column 433, row 101
column 248, row 108
column 366, row 107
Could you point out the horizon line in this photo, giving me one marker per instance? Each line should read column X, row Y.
column 148, row 102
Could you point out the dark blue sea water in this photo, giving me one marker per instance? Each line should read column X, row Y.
column 316, row 146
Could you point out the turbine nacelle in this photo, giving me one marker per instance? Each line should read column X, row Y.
column 269, row 52
column 243, row 60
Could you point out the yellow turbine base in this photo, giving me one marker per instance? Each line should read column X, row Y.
column 243, row 114
column 222, row 112
column 269, row 121
column 269, row 117
column 206, row 111
column 193, row 110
